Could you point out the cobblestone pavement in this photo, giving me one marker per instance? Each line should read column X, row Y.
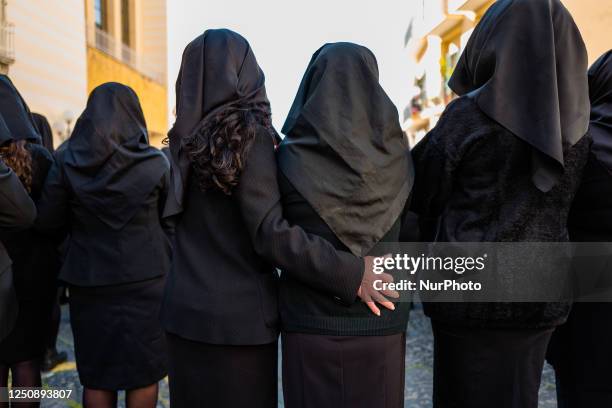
column 419, row 359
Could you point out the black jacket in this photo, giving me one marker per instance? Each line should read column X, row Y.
column 474, row 181
column 223, row 285
column 17, row 211
column 307, row 308
column 35, row 256
column 98, row 255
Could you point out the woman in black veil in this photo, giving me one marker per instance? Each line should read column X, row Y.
column 107, row 191
column 503, row 165
column 33, row 255
column 580, row 350
column 346, row 175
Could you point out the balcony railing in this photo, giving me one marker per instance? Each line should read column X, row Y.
column 7, row 44
column 108, row 44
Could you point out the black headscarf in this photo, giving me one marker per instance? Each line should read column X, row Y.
column 344, row 149
column 44, row 130
column 600, row 91
column 15, row 115
column 108, row 160
column 525, row 66
column 218, row 72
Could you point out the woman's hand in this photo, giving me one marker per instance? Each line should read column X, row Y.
column 371, row 296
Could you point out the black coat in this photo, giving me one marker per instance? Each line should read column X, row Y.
column 17, row 211
column 474, row 180
column 35, row 256
column 307, row 308
column 98, row 254
column 581, row 347
column 223, row 285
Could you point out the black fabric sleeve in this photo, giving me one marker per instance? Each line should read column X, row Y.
column 53, row 205
column 17, row 210
column 308, row 258
column 167, row 223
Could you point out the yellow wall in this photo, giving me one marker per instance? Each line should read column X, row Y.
column 594, row 18
column 153, row 96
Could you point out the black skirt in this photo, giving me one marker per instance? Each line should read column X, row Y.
column 343, row 371
column 581, row 354
column 208, row 375
column 484, row 368
column 8, row 306
column 118, row 340
column 27, row 340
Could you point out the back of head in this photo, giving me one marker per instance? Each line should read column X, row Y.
column 525, row 66
column 108, row 161
column 221, row 101
column 344, row 149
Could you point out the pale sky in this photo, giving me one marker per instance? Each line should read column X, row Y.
column 285, row 33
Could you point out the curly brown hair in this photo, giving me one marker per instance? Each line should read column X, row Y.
column 18, row 158
column 218, row 147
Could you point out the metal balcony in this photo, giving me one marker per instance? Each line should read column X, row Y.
column 7, row 43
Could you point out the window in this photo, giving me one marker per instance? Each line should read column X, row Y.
column 100, row 12
column 125, row 22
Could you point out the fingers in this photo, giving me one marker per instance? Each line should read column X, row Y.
column 388, row 278
column 373, row 308
column 394, row 294
column 364, row 294
column 386, row 303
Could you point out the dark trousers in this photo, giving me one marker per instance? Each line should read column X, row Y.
column 206, row 375
column 343, row 371
column 581, row 353
column 485, row 368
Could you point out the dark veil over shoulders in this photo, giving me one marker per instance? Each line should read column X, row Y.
column 108, row 160
column 600, row 92
column 344, row 150
column 525, row 66
column 17, row 121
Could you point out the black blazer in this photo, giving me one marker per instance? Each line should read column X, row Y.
column 35, row 256
column 17, row 211
column 223, row 285
column 98, row 255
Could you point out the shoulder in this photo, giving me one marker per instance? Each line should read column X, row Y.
column 39, row 151
column 262, row 145
column 463, row 114
column 264, row 136
column 461, row 127
column 40, row 154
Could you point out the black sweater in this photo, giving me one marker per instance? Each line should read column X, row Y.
column 223, row 285
column 473, row 178
column 306, row 308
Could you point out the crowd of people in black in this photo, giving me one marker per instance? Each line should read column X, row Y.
column 189, row 262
